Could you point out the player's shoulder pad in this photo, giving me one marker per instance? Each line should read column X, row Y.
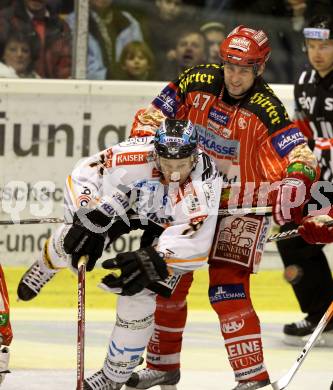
column 203, row 78
column 134, row 142
column 133, row 151
column 267, row 107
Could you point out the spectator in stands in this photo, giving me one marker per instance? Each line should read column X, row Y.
column 112, row 29
column 300, row 11
column 169, row 9
column 95, row 64
column 215, row 34
column 282, row 20
column 96, row 69
column 54, row 55
column 190, row 50
column 18, row 56
column 297, row 8
column 166, row 19
column 137, row 62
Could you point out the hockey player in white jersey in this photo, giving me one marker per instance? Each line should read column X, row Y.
column 163, row 180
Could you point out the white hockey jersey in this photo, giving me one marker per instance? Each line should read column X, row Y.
column 125, row 177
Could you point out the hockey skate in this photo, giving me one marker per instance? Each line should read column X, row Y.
column 147, row 378
column 99, row 381
column 297, row 334
column 33, row 281
column 251, row 385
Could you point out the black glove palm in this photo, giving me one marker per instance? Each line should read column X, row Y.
column 138, row 270
column 86, row 239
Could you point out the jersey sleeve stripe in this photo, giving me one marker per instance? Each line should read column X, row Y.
column 197, row 259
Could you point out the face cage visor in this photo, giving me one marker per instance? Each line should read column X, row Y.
column 175, row 152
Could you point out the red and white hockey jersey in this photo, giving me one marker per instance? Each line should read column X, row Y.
column 251, row 140
column 125, row 177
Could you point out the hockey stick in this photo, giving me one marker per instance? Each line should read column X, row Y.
column 265, row 210
column 224, row 212
column 283, row 382
column 31, row 221
column 81, row 322
column 289, row 234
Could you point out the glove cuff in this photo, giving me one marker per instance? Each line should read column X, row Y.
column 95, row 216
column 299, row 169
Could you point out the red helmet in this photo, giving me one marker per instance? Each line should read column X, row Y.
column 245, row 46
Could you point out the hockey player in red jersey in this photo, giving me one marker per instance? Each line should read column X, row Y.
column 245, row 128
column 6, row 334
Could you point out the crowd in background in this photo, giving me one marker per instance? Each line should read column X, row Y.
column 147, row 39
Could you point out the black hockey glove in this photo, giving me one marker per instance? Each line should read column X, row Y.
column 137, row 270
column 121, row 227
column 86, row 239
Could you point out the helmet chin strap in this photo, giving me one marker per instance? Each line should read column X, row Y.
column 157, row 161
column 195, row 158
